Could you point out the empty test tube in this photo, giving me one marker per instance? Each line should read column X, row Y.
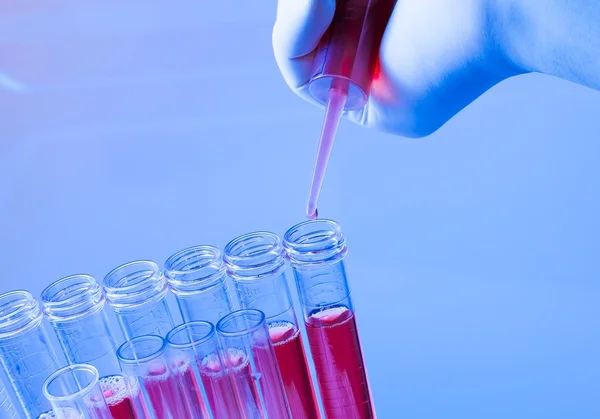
column 197, row 365
column 256, row 264
column 74, row 393
column 75, row 308
column 196, row 276
column 145, row 364
column 248, row 355
column 316, row 250
column 25, row 351
column 137, row 293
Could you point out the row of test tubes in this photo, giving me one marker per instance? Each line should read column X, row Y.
column 241, row 357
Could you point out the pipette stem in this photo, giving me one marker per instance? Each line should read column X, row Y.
column 333, row 114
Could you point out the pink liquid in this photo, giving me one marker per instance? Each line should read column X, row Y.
column 219, row 389
column 251, row 380
column 190, row 393
column 217, row 386
column 117, row 397
column 293, row 365
column 164, row 394
column 333, row 114
column 343, row 72
column 335, row 347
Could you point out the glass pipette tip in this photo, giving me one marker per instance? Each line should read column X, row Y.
column 333, row 114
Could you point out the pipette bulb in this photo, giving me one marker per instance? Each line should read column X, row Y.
column 312, row 216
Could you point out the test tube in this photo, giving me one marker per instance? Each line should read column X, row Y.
column 248, row 355
column 7, row 410
column 137, row 292
column 74, row 307
column 145, row 366
column 196, row 276
column 316, row 250
column 196, row 363
column 25, row 351
column 74, row 393
column 256, row 264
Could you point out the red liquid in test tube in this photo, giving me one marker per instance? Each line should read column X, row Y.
column 164, row 394
column 245, row 376
column 335, row 347
column 117, row 397
column 195, row 361
column 256, row 264
column 218, row 386
column 293, row 365
column 316, row 250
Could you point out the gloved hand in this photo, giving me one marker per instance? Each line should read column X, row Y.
column 437, row 56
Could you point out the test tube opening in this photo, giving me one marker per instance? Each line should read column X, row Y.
column 189, row 335
column 241, row 323
column 315, row 242
column 71, row 382
column 254, row 255
column 141, row 350
column 134, row 284
column 194, row 269
column 19, row 313
column 71, row 297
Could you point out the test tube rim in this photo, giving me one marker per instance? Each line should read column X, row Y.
column 177, row 329
column 176, row 285
column 116, row 295
column 52, row 309
column 241, row 268
column 135, row 361
column 85, row 390
column 261, row 323
column 9, row 320
column 321, row 252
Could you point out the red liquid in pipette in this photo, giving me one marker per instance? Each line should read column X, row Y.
column 335, row 346
column 333, row 114
column 291, row 358
column 345, row 62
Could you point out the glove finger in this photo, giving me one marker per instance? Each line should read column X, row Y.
column 297, row 31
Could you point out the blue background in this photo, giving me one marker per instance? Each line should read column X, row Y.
column 132, row 130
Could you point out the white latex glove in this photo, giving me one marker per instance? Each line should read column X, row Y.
column 437, row 56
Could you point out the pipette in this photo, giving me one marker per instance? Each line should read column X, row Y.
column 342, row 73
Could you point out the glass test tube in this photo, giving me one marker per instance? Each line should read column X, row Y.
column 256, row 264
column 74, row 393
column 7, row 410
column 248, row 355
column 196, row 276
column 195, row 358
column 316, row 250
column 145, row 365
column 137, row 292
column 74, row 307
column 25, row 351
